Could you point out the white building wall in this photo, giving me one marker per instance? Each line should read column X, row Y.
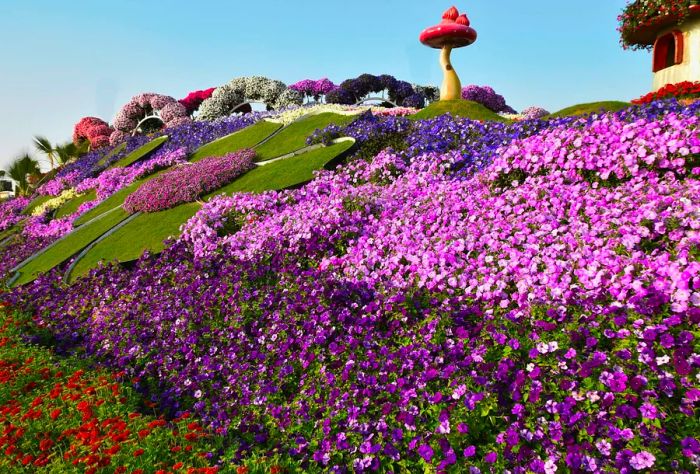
column 689, row 69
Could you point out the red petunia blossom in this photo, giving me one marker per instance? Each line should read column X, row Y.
column 138, row 452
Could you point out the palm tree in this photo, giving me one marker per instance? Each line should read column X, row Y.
column 43, row 145
column 70, row 151
column 20, row 171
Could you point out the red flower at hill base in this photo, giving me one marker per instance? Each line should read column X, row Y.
column 680, row 90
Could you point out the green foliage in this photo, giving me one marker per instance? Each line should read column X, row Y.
column 140, row 152
column 71, row 244
column 146, row 232
column 591, row 108
column 246, row 138
column 72, row 206
column 293, row 137
column 20, row 170
column 458, row 108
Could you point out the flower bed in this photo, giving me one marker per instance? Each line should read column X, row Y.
column 59, row 416
column 94, row 130
column 402, row 313
column 681, row 91
column 11, row 212
column 487, row 97
column 644, row 14
column 188, row 182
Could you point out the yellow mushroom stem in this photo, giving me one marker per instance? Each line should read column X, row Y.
column 451, row 86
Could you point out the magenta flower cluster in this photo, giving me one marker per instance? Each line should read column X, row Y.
column 487, row 97
column 11, row 212
column 58, row 184
column 112, row 180
column 189, row 181
column 313, row 88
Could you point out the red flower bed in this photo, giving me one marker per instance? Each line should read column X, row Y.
column 57, row 417
column 681, row 90
column 195, row 99
column 93, row 129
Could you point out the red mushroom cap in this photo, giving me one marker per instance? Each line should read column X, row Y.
column 462, row 20
column 454, row 35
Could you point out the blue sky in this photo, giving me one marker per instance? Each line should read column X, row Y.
column 63, row 60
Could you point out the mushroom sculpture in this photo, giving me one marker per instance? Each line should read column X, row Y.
column 452, row 32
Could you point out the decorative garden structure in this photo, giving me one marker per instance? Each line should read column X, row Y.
column 452, row 32
column 673, row 33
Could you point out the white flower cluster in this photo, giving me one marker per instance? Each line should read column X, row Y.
column 242, row 89
column 288, row 116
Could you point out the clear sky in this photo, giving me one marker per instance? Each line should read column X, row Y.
column 63, row 60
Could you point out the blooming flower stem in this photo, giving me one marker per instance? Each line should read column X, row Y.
column 451, row 86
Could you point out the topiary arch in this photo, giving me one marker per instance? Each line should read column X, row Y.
column 146, row 107
column 242, row 90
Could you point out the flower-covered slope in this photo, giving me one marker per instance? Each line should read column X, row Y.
column 484, row 296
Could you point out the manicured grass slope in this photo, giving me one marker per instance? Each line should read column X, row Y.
column 71, row 206
column 140, row 152
column 592, row 107
column 115, row 200
column 458, row 108
column 246, row 138
column 114, row 151
column 36, row 202
column 71, row 244
column 145, row 232
column 149, row 230
column 285, row 173
column 293, row 137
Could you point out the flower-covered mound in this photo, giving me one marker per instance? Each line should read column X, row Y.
column 11, row 212
column 486, row 297
column 189, row 181
column 487, row 97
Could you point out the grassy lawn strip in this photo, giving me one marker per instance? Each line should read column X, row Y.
column 47, row 400
column 36, row 202
column 71, row 206
column 458, row 108
column 113, row 151
column 293, row 137
column 73, row 243
column 8, row 232
column 145, row 232
column 592, row 107
column 284, row 173
column 246, row 138
column 140, row 152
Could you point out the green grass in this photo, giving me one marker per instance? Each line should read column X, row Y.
column 284, row 173
column 458, row 108
column 592, row 107
column 73, row 243
column 115, row 200
column 71, row 206
column 113, row 151
column 149, row 230
column 8, row 232
column 246, row 138
column 293, row 137
column 36, row 202
column 140, row 152
column 145, row 232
